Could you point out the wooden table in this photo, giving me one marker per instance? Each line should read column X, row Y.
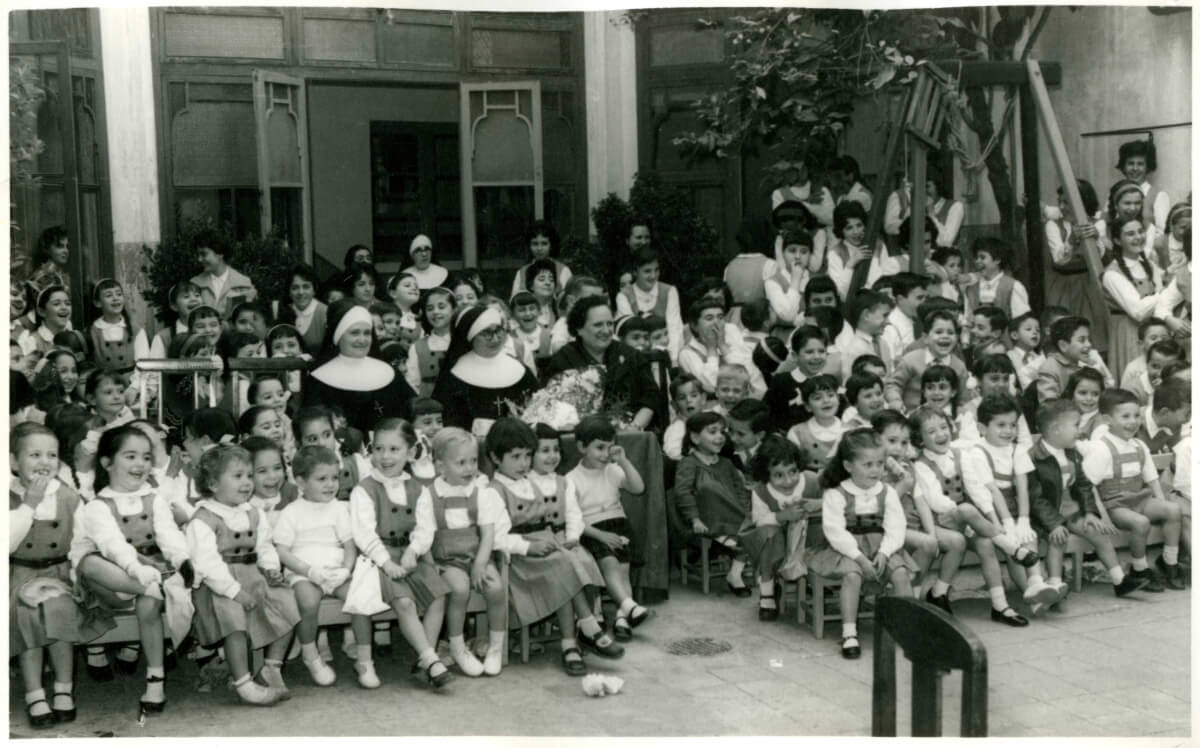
column 647, row 513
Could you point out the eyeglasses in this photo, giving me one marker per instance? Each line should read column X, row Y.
column 494, row 333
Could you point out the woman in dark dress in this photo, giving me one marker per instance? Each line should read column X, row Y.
column 478, row 380
column 627, row 378
column 364, row 388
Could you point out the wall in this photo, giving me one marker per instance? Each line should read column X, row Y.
column 610, row 67
column 339, row 127
column 1123, row 67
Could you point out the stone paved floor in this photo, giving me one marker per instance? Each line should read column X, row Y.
column 1099, row 667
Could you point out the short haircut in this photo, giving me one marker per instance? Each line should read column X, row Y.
column 993, row 363
column 805, row 333
column 993, row 406
column 999, row 249
column 820, row 383
column 309, row 414
column 232, row 341
column 575, row 286
column 921, row 416
column 212, row 239
column 935, row 314
column 544, row 265
column 256, row 384
column 775, row 450
column 856, row 383
column 250, row 306
column 1171, row 395
column 508, row 434
column 1167, row 348
column 863, row 302
column 398, row 425
column 258, row 444
column 905, row 283
column 861, row 363
column 700, row 421
column 1051, row 411
column 1115, row 397
column 380, row 308
column 1145, row 325
column 755, row 314
column 1062, row 330
column 594, row 428
column 577, row 317
column 888, row 417
column 941, row 255
column 26, row 430
column 213, row 423
column 798, row 237
column 449, row 438
column 753, row 413
column 309, row 457
column 215, row 461
column 681, row 381
column 1015, row 323
column 733, row 371
column 202, row 312
column 995, row 316
column 425, row 406
column 940, row 373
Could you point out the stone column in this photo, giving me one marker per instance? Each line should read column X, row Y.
column 610, row 67
column 132, row 146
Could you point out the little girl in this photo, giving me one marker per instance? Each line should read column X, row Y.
column 864, row 392
column 545, row 578
column 133, row 556
column 105, row 393
column 782, row 501
column 425, row 356
column 688, row 399
column 43, row 617
column 456, row 521
column 272, row 491
column 316, row 547
column 269, row 390
column 242, row 600
column 314, row 425
column 404, row 292
column 284, row 341
column 920, row 535
column 1083, row 389
column 710, row 494
column 818, row 436
column 56, row 381
column 183, row 298
column 259, row 420
column 863, row 523
column 940, row 390
column 382, row 521
column 115, row 343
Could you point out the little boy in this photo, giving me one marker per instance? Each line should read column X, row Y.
column 1061, row 497
column 251, row 317
column 988, row 323
column 902, row 388
column 1159, row 356
column 385, row 317
column 648, row 295
column 996, row 471
column 993, row 259
column 756, row 321
column 867, row 312
column 528, row 330
column 313, row 426
column 949, row 260
column 602, row 474
column 908, row 290
column 748, row 422
column 1164, row 418
column 1024, row 334
column 688, row 399
column 864, row 392
column 1150, row 331
column 733, row 386
column 1120, row 466
column 1070, row 344
column 427, row 422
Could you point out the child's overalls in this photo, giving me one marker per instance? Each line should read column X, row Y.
column 138, row 530
column 1005, row 482
column 1124, row 491
column 394, row 525
column 455, row 546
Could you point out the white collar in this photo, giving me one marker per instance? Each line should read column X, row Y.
column 103, row 324
column 1117, row 440
column 239, row 514
column 355, row 374
column 796, row 494
column 941, row 460
column 825, row 433
column 521, row 486
column 108, row 492
column 1055, row 452
column 900, row 319
column 266, row 504
column 1008, row 453
column 985, row 283
column 47, row 508
column 396, row 481
column 931, row 357
column 445, row 489
column 652, row 294
column 431, row 277
column 497, row 372
column 1152, row 427
column 851, row 487
column 307, row 312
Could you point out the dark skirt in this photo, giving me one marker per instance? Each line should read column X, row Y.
column 218, row 616
column 616, row 525
column 540, row 585
column 423, row 585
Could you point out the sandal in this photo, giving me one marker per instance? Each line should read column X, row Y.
column 40, row 721
column 153, row 707
column 850, row 648
column 572, row 661
column 602, row 645
column 1009, row 617
column 64, row 715
column 622, row 631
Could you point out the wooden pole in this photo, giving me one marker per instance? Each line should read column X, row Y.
column 1034, row 251
column 879, row 200
column 1066, row 176
column 916, row 219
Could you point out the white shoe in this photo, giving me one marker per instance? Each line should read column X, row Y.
column 322, row 674
column 323, row 646
column 252, row 693
column 468, row 663
column 1040, row 593
column 1062, row 590
column 493, row 661
column 366, row 674
column 274, row 679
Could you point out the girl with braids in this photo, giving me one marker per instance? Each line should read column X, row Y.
column 1126, row 201
column 1131, row 284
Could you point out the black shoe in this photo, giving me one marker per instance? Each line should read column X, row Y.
column 1029, row 560
column 850, row 648
column 1153, row 583
column 100, row 673
column 40, row 721
column 611, row 650
column 153, row 707
column 1009, row 617
column 126, row 666
column 1172, row 574
column 1129, row 585
column 637, row 619
column 742, row 591
column 622, row 632
column 574, row 666
column 767, row 614
column 64, row 715
column 941, row 601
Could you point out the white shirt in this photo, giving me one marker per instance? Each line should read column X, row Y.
column 695, row 359
column 977, row 470
column 315, row 531
column 762, row 516
column 599, row 491
column 210, row 568
column 100, row 526
column 1018, row 301
column 1121, row 290
column 673, row 439
column 898, row 333
column 1183, row 467
column 926, row 484
column 969, row 434
column 219, row 282
column 1161, row 207
column 570, row 501
column 1097, row 459
column 1026, row 364
column 881, row 264
column 431, row 277
column 491, row 512
column 412, row 370
column 20, row 520
column 158, row 349
column 559, row 334
column 508, row 541
column 785, row 302
column 646, row 301
column 363, row 521
column 833, row 518
column 1170, row 297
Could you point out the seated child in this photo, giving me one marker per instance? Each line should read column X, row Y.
column 996, row 470
column 272, row 491
column 1150, row 331
column 748, row 422
column 818, row 436
column 1120, row 466
column 733, row 386
column 988, row 324
column 42, row 517
column 1070, row 344
column 456, row 523
column 1083, row 389
column 382, row 521
column 941, row 389
column 688, row 399
column 314, row 426
column 902, row 386
column 602, row 474
column 1159, row 356
column 994, row 374
column 864, row 392
column 867, row 313
column 427, row 422
column 1164, row 419
column 940, row 480
column 270, row 390
column 242, row 602
column 1062, row 500
column 1025, row 333
column 782, row 501
column 710, row 493
column 863, row 525
column 545, row 576
column 809, row 356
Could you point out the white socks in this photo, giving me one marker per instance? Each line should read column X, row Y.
column 1117, row 574
column 309, row 651
column 467, row 662
column 154, row 691
column 1139, row 564
column 627, row 606
column 494, row 660
column 1170, row 555
column 32, row 697
column 940, row 588
column 999, row 601
column 849, row 630
column 272, row 675
column 590, row 627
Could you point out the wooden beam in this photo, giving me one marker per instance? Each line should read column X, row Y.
column 1007, row 72
column 1066, row 175
column 1034, row 253
column 916, row 219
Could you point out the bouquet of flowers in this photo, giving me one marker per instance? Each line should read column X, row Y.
column 568, row 397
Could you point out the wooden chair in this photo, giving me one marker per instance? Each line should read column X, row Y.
column 934, row 642
column 710, row 565
column 824, row 604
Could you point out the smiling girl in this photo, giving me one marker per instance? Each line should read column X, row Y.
column 53, row 310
